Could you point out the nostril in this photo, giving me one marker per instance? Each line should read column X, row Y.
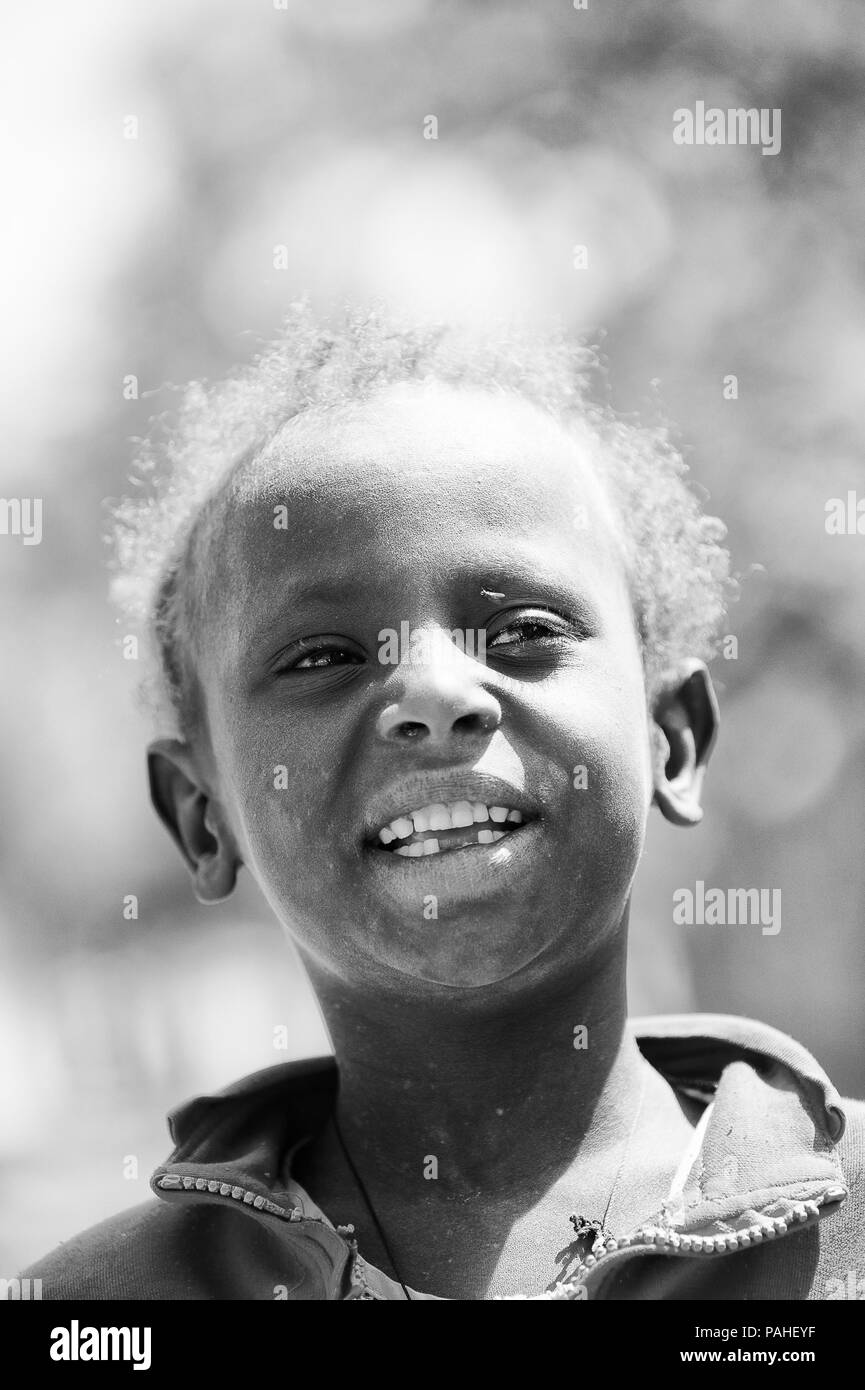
column 411, row 730
column 475, row 723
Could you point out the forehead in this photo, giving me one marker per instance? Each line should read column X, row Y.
column 412, row 481
column 416, row 452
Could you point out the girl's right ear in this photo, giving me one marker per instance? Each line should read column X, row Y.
column 195, row 820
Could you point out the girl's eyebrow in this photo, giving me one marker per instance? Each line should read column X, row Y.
column 520, row 583
column 324, row 593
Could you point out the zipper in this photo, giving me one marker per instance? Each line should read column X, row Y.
column 361, row 1290
column 173, row 1182
column 651, row 1236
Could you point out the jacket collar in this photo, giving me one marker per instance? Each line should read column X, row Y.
column 766, row 1153
column 695, row 1048
column 769, row 1141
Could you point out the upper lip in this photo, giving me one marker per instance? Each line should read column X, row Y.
column 423, row 789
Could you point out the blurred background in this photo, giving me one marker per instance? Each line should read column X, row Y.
column 176, row 175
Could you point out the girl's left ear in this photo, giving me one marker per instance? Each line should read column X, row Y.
column 685, row 710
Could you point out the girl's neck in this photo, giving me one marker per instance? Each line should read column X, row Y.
column 502, row 1099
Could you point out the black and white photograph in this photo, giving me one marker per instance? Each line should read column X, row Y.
column 432, row 534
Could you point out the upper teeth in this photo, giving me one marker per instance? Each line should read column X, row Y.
column 441, row 817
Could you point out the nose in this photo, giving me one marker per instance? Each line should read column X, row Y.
column 440, row 702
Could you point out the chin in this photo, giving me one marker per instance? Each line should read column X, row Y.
column 479, row 955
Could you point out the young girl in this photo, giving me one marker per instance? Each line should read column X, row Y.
column 429, row 635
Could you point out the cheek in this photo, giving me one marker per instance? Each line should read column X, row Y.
column 618, row 796
column 280, row 790
column 289, row 850
column 603, row 725
column 626, row 740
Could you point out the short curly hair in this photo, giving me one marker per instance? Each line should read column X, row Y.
column 679, row 571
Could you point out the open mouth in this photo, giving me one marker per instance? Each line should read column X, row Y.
column 440, row 828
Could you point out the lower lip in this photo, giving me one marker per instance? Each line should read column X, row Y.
column 477, row 871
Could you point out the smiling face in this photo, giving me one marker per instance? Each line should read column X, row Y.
column 425, row 715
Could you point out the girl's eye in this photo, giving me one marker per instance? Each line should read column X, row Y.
column 321, row 657
column 534, row 628
column 331, row 656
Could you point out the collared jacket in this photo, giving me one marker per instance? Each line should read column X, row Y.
column 771, row 1204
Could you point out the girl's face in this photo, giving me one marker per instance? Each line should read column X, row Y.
column 421, row 616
